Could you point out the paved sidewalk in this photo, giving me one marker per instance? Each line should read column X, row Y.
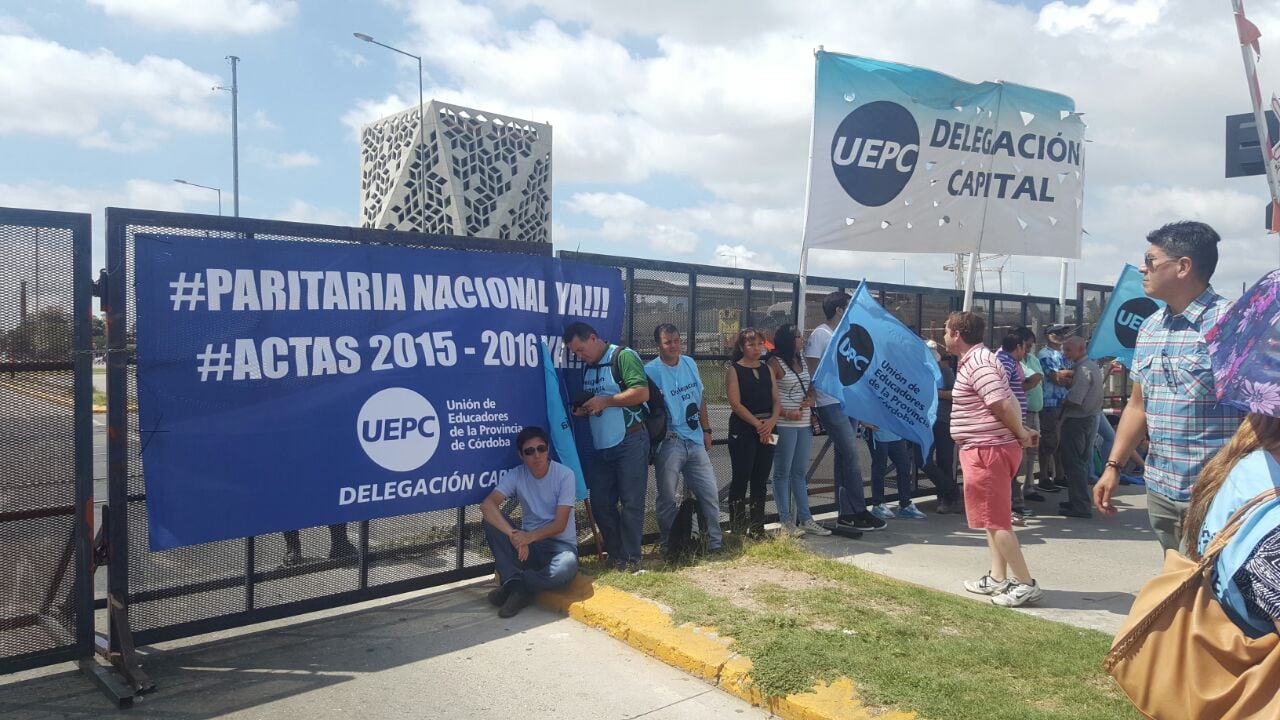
column 441, row 654
column 1090, row 570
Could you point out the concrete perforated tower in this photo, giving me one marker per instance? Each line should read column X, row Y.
column 472, row 173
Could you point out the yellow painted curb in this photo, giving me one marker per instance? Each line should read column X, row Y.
column 700, row 651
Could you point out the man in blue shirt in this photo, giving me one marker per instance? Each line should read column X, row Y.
column 1173, row 401
column 688, row 438
column 1057, row 382
column 543, row 552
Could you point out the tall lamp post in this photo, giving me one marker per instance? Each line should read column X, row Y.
column 235, row 134
column 422, row 124
column 206, row 187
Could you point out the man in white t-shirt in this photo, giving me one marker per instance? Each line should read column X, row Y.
column 842, row 429
column 543, row 553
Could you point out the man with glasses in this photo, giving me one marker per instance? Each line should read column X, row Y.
column 1173, row 400
column 543, row 553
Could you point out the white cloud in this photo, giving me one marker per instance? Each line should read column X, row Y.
column 98, row 99
column 282, row 160
column 349, row 57
column 237, row 17
column 260, row 121
column 1112, row 17
column 302, row 211
column 739, row 256
column 10, row 25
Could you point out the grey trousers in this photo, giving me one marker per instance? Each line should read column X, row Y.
column 1166, row 516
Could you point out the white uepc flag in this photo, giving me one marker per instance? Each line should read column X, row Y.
column 910, row 160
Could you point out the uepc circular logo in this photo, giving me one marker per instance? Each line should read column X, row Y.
column 1130, row 317
column 398, row 429
column 853, row 354
column 874, row 152
column 691, row 416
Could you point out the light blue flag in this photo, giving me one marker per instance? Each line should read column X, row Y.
column 558, row 423
column 882, row 372
column 1117, row 329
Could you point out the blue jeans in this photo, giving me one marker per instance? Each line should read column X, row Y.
column 1105, row 439
column 551, row 562
column 677, row 455
column 844, row 436
column 881, row 454
column 618, row 478
column 790, row 465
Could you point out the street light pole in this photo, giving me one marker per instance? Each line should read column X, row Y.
column 422, row 127
column 235, row 134
column 235, row 139
column 206, row 187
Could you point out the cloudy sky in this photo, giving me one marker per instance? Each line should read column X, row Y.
column 681, row 128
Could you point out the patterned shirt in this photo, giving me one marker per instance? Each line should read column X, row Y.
column 980, row 383
column 1052, row 361
column 1185, row 422
column 1013, row 371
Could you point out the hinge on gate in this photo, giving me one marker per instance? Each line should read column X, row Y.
column 100, row 287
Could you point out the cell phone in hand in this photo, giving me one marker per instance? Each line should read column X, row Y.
column 773, row 439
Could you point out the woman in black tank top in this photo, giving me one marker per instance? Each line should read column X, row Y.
column 753, row 397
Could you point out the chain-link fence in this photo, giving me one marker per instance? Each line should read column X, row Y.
column 710, row 305
column 46, row 478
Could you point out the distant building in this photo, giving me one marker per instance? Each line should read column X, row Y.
column 477, row 174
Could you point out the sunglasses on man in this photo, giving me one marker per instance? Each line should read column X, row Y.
column 534, row 450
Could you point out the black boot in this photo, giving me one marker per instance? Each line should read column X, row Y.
column 292, row 548
column 339, row 545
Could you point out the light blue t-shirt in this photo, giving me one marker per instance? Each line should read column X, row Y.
column 682, row 389
column 539, row 498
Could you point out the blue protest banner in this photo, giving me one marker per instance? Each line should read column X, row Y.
column 284, row 385
column 1117, row 330
column 562, row 440
column 882, row 372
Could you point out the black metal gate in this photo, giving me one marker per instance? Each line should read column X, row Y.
column 46, row 454
column 201, row 588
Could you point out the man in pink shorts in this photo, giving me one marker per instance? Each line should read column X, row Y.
column 986, row 423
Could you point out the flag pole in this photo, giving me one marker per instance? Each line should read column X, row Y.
column 808, row 187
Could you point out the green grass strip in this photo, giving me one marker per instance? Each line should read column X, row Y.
column 905, row 646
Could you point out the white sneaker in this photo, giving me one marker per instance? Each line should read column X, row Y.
column 811, row 527
column 986, row 585
column 1017, row 594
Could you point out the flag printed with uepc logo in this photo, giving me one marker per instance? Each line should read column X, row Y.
column 1116, row 333
column 882, row 372
column 910, row 160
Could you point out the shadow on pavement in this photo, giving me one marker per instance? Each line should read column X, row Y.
column 208, row 679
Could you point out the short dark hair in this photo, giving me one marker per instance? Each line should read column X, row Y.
column 1011, row 342
column 531, row 432
column 664, row 329
column 971, row 326
column 579, row 330
column 833, row 302
column 1189, row 239
column 740, row 343
column 1024, row 334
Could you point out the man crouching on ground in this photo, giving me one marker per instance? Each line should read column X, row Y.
column 543, row 553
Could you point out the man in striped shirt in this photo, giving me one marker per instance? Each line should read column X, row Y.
column 986, row 423
column 1173, row 399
